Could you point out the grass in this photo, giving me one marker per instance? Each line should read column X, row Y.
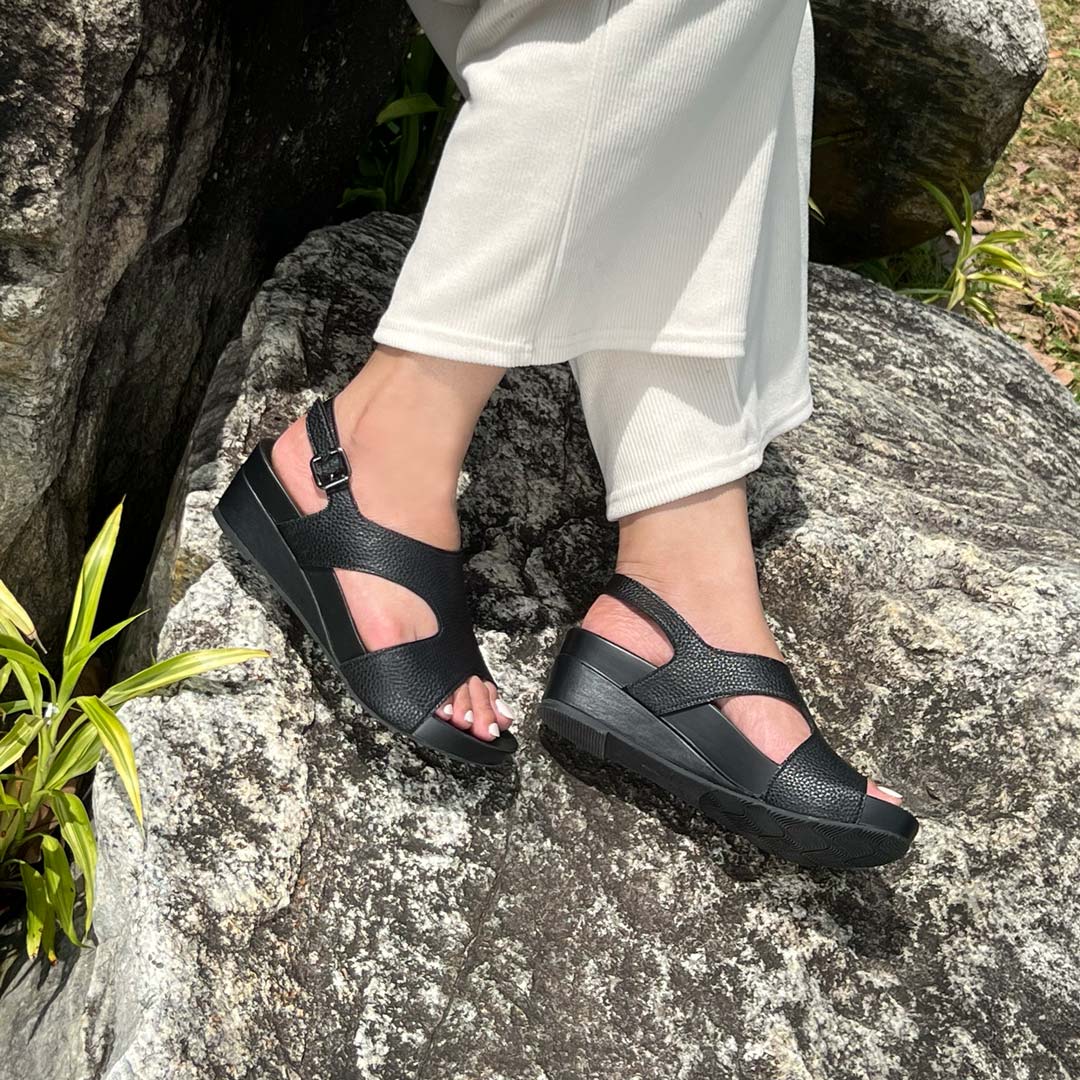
column 1036, row 187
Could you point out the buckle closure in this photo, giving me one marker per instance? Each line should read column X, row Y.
column 330, row 470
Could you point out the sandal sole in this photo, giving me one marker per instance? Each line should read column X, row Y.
column 251, row 529
column 807, row 841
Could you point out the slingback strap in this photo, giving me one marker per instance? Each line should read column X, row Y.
column 329, row 465
column 697, row 671
column 340, row 537
column 402, row 683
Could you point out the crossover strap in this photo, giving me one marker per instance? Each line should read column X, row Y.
column 339, row 537
column 697, row 671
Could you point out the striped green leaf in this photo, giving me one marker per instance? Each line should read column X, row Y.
column 996, row 279
column 957, row 294
column 16, row 740
column 91, row 579
column 13, row 612
column 28, row 680
column 79, row 837
column 117, row 743
column 59, row 886
column 1003, row 236
column 79, row 753
column 78, row 659
column 39, row 915
column 945, row 203
column 166, row 672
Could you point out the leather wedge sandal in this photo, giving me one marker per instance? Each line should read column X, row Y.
column 401, row 685
column 660, row 723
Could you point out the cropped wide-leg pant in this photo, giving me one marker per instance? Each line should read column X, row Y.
column 625, row 188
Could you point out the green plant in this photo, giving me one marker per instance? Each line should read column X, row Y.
column 400, row 152
column 54, row 736
column 981, row 264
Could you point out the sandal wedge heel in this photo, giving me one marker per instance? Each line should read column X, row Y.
column 401, row 685
column 659, row 723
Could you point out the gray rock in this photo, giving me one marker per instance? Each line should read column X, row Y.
column 156, row 159
column 315, row 899
column 908, row 88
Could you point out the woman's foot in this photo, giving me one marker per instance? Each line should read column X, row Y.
column 696, row 554
column 405, row 423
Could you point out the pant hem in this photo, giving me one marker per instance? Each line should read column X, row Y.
column 678, row 485
column 450, row 345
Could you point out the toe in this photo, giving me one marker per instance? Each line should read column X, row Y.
column 484, row 726
column 885, row 794
column 504, row 715
column 462, row 717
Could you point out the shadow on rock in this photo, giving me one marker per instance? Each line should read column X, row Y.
column 861, row 902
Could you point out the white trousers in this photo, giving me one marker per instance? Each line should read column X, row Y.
column 625, row 188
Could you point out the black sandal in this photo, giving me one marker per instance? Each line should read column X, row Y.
column 659, row 722
column 401, row 685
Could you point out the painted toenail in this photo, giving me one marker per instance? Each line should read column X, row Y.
column 493, row 731
column 505, row 709
column 889, row 791
column 468, row 716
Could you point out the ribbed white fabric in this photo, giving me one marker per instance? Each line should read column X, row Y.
column 627, row 177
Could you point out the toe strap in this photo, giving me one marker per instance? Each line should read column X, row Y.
column 816, row 781
column 404, row 683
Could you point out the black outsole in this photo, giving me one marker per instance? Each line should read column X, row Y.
column 807, row 841
column 239, row 508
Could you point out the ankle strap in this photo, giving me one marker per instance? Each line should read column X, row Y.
column 329, row 465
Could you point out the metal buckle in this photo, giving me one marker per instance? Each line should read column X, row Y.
column 336, row 474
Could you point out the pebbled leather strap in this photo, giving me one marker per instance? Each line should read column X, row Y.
column 402, row 683
column 814, row 779
column 697, row 671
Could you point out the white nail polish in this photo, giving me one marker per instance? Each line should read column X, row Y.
column 447, row 709
column 889, row 791
column 505, row 709
column 493, row 731
column 468, row 716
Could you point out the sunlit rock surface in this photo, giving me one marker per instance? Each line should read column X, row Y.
column 315, row 899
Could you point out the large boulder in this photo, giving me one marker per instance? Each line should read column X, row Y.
column 315, row 899
column 909, row 88
column 156, row 159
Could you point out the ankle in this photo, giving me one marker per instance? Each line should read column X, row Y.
column 398, row 456
column 720, row 600
column 393, row 484
column 421, row 400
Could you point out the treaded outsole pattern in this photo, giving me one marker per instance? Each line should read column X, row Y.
column 803, row 840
